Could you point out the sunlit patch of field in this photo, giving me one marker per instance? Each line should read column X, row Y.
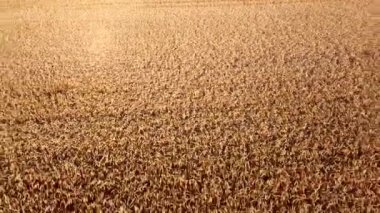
column 126, row 106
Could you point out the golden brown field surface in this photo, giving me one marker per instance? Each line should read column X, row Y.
column 189, row 106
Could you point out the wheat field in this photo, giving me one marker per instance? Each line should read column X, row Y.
column 189, row 106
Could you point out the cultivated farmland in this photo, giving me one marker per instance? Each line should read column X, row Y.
column 189, row 106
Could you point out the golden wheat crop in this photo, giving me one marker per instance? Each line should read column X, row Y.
column 189, row 106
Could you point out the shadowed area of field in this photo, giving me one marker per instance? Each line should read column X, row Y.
column 123, row 106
